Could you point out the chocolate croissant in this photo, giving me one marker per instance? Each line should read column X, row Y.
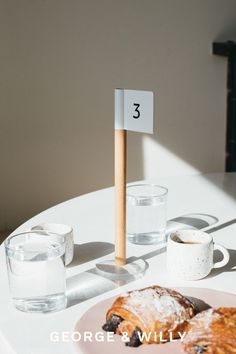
column 212, row 332
column 149, row 315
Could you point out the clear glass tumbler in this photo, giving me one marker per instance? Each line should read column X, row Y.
column 146, row 213
column 36, row 271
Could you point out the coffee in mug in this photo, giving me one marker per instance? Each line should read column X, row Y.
column 190, row 254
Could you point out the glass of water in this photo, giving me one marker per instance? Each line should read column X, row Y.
column 36, row 271
column 146, row 213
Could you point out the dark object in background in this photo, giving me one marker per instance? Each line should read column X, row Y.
column 228, row 49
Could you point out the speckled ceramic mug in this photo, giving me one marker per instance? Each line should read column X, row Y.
column 190, row 254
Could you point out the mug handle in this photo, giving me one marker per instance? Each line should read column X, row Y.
column 225, row 253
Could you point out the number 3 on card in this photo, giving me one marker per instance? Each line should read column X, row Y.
column 137, row 110
column 134, row 110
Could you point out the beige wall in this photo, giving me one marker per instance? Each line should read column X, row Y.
column 60, row 62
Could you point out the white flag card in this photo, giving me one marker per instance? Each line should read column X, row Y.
column 134, row 110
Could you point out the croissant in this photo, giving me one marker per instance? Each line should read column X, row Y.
column 212, row 332
column 149, row 315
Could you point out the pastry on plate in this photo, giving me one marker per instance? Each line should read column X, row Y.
column 150, row 315
column 212, row 332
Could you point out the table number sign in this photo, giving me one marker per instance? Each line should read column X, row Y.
column 133, row 111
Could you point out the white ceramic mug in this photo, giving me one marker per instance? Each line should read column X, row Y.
column 64, row 230
column 190, row 254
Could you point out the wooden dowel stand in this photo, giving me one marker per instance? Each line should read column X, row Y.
column 120, row 197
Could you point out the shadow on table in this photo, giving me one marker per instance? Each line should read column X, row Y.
column 87, row 252
column 194, row 220
column 86, row 285
column 221, row 226
column 89, row 284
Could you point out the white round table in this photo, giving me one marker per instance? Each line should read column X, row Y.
column 92, row 217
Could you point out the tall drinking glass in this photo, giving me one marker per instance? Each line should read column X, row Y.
column 146, row 213
column 36, row 271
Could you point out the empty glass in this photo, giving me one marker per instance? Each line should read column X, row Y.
column 36, row 271
column 146, row 213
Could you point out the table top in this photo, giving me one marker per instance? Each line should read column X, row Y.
column 203, row 201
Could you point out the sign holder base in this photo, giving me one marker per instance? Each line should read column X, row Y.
column 134, row 269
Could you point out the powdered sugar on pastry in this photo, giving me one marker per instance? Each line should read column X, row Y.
column 152, row 310
column 164, row 305
column 201, row 323
column 167, row 306
column 212, row 331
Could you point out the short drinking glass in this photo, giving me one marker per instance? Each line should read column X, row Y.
column 36, row 271
column 146, row 213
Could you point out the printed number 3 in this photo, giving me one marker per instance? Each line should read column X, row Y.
column 136, row 110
